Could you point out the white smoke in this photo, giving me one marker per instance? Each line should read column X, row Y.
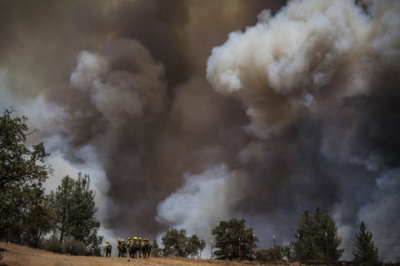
column 297, row 53
column 308, row 59
column 202, row 201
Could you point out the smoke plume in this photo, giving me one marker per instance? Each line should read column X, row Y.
column 188, row 113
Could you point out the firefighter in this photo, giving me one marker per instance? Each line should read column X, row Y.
column 119, row 248
column 123, row 248
column 129, row 244
column 108, row 248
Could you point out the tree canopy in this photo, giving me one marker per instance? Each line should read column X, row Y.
column 177, row 243
column 22, row 173
column 234, row 240
column 74, row 207
column 364, row 249
column 317, row 237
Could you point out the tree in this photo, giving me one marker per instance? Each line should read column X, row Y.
column 22, row 173
column 317, row 238
column 38, row 221
column 195, row 245
column 364, row 250
column 174, row 243
column 234, row 240
column 73, row 203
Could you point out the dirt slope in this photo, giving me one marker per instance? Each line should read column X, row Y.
column 23, row 256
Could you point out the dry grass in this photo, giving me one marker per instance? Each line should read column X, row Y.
column 16, row 255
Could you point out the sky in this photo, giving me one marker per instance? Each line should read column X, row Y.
column 185, row 113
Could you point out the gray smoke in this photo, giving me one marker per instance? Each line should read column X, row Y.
column 314, row 81
column 297, row 111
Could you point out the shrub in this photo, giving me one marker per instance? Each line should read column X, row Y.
column 52, row 244
column 74, row 247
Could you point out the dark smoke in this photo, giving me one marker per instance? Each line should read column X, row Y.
column 189, row 117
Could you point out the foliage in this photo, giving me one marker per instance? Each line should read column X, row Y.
column 69, row 246
column 290, row 253
column 364, row 249
column 274, row 254
column 234, row 240
column 38, row 220
column 155, row 249
column 52, row 244
column 317, row 237
column 74, row 207
column 22, row 173
column 74, row 247
column 195, row 245
column 176, row 243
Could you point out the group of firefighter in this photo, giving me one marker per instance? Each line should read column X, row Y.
column 135, row 247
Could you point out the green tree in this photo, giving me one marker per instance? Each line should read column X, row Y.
column 234, row 240
column 317, row 238
column 195, row 245
column 175, row 243
column 75, row 213
column 364, row 250
column 39, row 219
column 22, row 173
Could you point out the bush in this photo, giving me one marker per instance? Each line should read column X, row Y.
column 70, row 246
column 74, row 247
column 52, row 244
column 270, row 254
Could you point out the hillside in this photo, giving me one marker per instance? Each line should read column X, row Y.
column 16, row 255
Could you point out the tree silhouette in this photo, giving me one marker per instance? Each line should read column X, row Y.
column 364, row 250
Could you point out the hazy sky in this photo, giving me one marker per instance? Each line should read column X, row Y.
column 185, row 112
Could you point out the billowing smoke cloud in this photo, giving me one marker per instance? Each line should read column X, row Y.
column 297, row 111
column 203, row 200
column 313, row 80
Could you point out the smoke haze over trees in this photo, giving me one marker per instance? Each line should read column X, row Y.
column 214, row 110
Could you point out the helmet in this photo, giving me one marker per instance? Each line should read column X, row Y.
column 129, row 238
column 122, row 240
column 106, row 241
column 134, row 237
column 140, row 238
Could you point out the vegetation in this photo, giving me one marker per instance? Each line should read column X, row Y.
column 74, row 207
column 234, row 240
column 274, row 254
column 155, row 249
column 317, row 238
column 27, row 214
column 22, row 173
column 364, row 249
column 176, row 243
column 195, row 246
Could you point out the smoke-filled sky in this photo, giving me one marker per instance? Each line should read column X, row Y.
column 189, row 112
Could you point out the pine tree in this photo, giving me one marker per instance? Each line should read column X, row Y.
column 364, row 250
column 317, row 238
column 75, row 213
